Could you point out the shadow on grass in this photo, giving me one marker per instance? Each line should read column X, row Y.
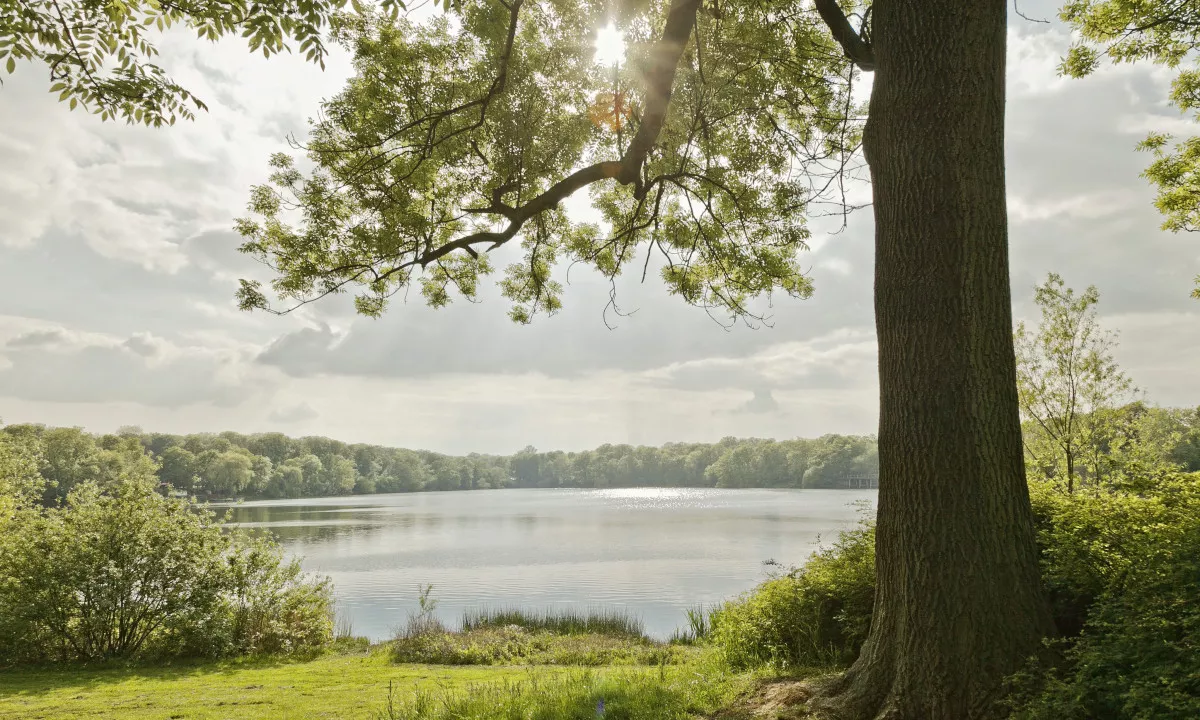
column 34, row 681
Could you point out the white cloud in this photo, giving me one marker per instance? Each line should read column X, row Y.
column 55, row 364
column 1033, row 58
column 1089, row 206
column 842, row 361
column 299, row 413
column 135, row 193
column 1161, row 353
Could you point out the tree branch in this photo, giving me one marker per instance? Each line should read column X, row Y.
column 555, row 194
column 660, row 80
column 853, row 43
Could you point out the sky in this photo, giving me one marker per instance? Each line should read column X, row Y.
column 118, row 265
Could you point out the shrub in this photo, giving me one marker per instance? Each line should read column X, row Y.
column 814, row 616
column 124, row 572
column 267, row 606
column 1124, row 573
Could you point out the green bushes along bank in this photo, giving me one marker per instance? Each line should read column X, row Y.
column 122, row 572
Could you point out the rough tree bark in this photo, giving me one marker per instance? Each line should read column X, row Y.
column 958, row 604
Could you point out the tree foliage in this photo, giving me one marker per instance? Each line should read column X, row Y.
column 100, row 54
column 272, row 465
column 1068, row 382
column 466, row 132
column 1122, row 571
column 1163, row 32
column 20, row 481
column 119, row 571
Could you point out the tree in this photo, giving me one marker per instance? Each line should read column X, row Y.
column 227, row 474
column 340, row 475
column 276, row 446
column 69, row 457
column 20, row 482
column 313, row 472
column 263, row 469
column 1164, row 33
column 287, row 480
column 1067, row 380
column 179, row 469
column 452, row 139
column 1137, row 451
column 122, row 457
column 99, row 54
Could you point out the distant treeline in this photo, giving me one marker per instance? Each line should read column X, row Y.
column 273, row 465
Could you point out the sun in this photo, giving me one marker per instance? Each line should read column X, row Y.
column 610, row 45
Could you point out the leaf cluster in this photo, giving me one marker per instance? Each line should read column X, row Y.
column 101, row 56
column 463, row 133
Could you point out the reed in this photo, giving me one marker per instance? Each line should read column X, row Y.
column 571, row 621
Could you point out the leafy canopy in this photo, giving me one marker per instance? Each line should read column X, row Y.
column 1164, row 32
column 465, row 131
column 100, row 54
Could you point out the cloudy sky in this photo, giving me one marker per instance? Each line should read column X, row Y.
column 118, row 266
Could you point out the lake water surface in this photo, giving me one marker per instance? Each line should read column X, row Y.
column 652, row 551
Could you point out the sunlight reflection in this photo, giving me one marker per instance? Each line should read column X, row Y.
column 610, row 45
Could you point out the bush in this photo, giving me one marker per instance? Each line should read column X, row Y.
column 1121, row 567
column 817, row 615
column 1124, row 574
column 127, row 573
column 267, row 606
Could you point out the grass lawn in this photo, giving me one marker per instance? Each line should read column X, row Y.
column 347, row 687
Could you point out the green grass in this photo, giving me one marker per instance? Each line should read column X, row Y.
column 346, row 687
column 663, row 693
column 614, row 622
column 506, row 664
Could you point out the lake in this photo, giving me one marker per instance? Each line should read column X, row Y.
column 652, row 551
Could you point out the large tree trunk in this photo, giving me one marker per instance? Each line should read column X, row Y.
column 958, row 604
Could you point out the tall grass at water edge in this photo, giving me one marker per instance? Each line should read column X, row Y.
column 570, row 621
column 503, row 636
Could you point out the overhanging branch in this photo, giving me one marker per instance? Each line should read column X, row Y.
column 660, row 79
column 853, row 42
column 555, row 194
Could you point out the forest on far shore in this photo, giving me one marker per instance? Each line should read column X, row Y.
column 273, row 465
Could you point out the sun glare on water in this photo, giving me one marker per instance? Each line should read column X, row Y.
column 610, row 45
